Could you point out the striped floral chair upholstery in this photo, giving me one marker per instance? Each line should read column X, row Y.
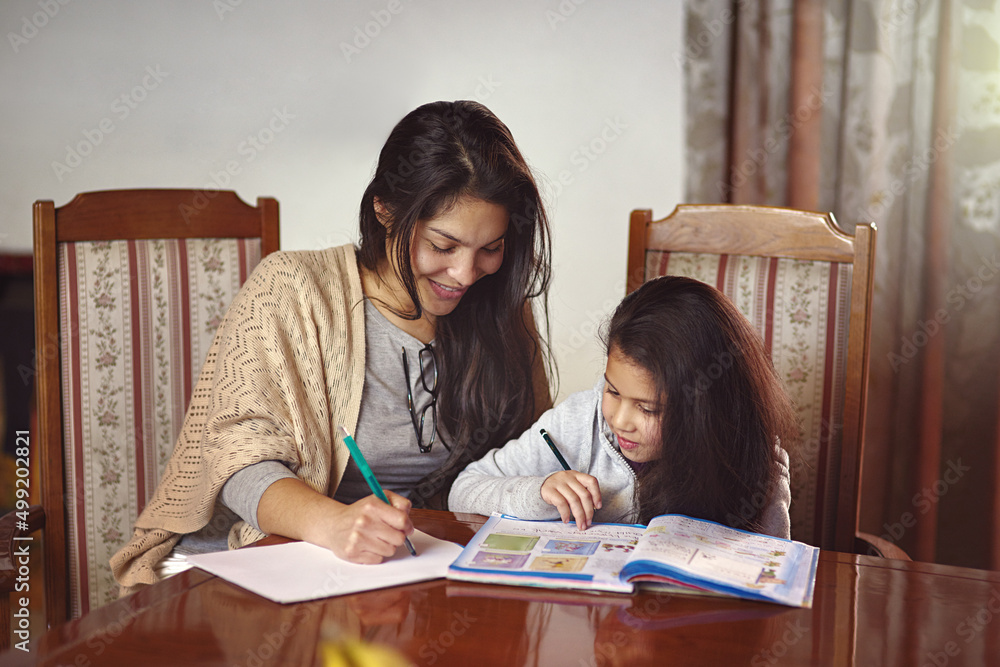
column 806, row 286
column 130, row 287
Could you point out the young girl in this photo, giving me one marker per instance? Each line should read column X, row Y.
column 689, row 418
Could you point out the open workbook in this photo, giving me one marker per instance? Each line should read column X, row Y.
column 674, row 552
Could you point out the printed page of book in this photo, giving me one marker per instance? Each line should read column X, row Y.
column 717, row 558
column 548, row 553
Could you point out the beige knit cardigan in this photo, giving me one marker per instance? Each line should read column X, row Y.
column 286, row 368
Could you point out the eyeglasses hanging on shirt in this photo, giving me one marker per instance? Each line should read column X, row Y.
column 428, row 366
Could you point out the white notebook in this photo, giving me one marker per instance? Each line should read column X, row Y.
column 299, row 571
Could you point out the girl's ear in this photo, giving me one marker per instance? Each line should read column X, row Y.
column 382, row 213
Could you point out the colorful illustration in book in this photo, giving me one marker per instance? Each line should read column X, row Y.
column 504, row 561
column 558, row 564
column 713, row 541
column 574, row 547
column 611, row 547
column 505, row 542
column 769, row 576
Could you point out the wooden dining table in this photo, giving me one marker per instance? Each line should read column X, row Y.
column 866, row 611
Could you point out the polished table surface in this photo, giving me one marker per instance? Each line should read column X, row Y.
column 867, row 611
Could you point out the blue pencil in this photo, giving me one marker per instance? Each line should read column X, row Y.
column 366, row 471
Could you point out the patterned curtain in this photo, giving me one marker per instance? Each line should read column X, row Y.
column 884, row 111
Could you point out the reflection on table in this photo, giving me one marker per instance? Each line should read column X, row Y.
column 867, row 611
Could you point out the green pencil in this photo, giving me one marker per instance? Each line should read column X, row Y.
column 366, row 471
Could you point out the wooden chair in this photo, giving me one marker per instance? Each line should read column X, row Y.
column 807, row 288
column 130, row 286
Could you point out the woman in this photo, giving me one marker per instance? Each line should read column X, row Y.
column 420, row 342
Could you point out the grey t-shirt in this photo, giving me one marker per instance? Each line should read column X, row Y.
column 384, row 433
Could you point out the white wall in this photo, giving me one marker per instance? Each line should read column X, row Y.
column 116, row 94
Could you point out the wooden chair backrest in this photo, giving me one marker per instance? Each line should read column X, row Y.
column 144, row 245
column 806, row 286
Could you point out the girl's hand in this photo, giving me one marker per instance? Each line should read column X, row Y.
column 574, row 494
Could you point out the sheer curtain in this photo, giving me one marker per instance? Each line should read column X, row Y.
column 887, row 111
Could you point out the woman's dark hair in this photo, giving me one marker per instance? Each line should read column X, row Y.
column 437, row 154
column 724, row 404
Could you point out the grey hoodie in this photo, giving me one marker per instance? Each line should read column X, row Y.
column 509, row 479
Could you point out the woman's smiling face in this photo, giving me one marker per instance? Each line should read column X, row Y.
column 453, row 250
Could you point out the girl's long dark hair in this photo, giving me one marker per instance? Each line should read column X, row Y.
column 724, row 402
column 437, row 154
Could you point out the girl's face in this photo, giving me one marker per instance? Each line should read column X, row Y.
column 632, row 408
column 452, row 251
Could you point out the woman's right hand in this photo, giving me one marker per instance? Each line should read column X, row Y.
column 575, row 494
column 367, row 531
